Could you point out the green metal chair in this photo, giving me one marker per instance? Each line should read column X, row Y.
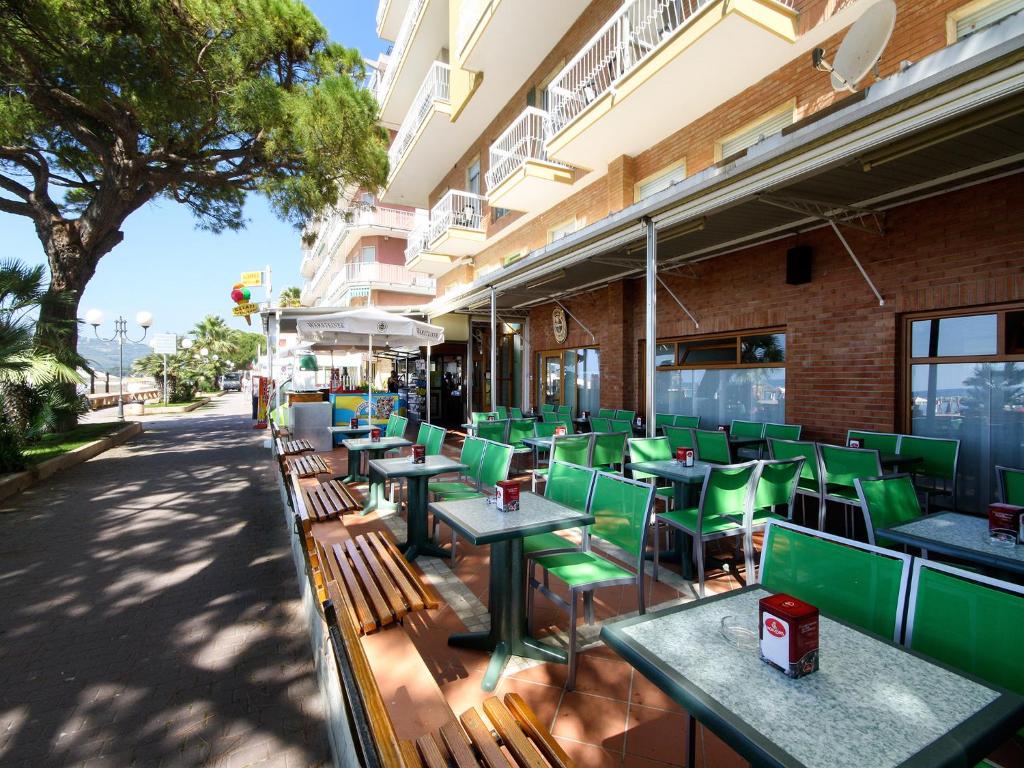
column 599, row 424
column 471, row 455
column 423, row 434
column 679, row 437
column 477, row 416
column 515, row 413
column 725, row 501
column 572, row 449
column 545, row 428
column 624, row 414
column 1010, row 482
column 608, row 454
column 435, row 440
column 570, row 485
column 782, row 431
column 652, row 449
column 663, row 420
column 886, row 501
column 740, row 428
column 620, row 425
column 493, row 430
column 622, row 510
column 518, row 430
column 551, row 416
column 712, row 446
column 432, row 439
column 777, row 485
column 690, row 422
column 935, row 475
column 847, row 580
column 606, row 413
column 564, row 410
column 396, row 426
column 809, row 485
column 547, row 408
column 883, row 442
column 502, row 411
column 838, row 467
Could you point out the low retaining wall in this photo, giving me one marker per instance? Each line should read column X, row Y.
column 109, row 399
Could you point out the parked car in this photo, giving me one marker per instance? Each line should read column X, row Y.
column 231, row 382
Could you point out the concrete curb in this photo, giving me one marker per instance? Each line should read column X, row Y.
column 19, row 481
column 179, row 408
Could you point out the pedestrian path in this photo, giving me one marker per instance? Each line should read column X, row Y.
column 149, row 612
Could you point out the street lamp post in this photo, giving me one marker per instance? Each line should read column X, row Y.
column 94, row 317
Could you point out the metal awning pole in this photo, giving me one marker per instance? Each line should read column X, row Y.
column 494, row 350
column 682, row 306
column 864, row 274
column 467, row 386
column 427, row 410
column 651, row 320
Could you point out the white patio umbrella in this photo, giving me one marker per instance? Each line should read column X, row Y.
column 354, row 328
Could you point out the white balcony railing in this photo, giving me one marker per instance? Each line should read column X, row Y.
column 392, row 277
column 382, row 7
column 523, row 140
column 417, row 242
column 384, row 217
column 628, row 38
column 433, row 89
column 387, row 77
column 456, row 209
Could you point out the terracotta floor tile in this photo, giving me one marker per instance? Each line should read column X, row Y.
column 546, row 674
column 712, row 752
column 603, row 677
column 591, row 719
column 589, row 756
column 657, row 735
column 647, row 694
column 635, row 761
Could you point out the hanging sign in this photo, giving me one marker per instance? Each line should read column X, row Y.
column 244, row 310
column 559, row 325
column 252, row 279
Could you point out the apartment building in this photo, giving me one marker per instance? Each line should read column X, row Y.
column 355, row 255
column 839, row 259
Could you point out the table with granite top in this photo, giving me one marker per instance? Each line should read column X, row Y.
column 871, row 703
column 374, row 449
column 961, row 536
column 481, row 522
column 417, row 475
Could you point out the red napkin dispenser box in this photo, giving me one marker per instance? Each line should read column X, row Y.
column 354, row 423
column 560, row 430
column 375, row 435
column 507, row 495
column 419, row 454
column 788, row 634
column 1005, row 523
column 684, row 456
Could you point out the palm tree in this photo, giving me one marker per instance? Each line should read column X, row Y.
column 291, row 297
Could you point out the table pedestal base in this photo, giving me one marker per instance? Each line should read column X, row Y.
column 418, row 541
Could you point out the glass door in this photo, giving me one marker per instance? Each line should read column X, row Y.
column 551, row 383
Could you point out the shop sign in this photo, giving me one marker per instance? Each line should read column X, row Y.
column 244, row 310
column 558, row 323
column 252, row 279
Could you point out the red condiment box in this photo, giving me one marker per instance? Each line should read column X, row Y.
column 560, row 429
column 375, row 435
column 419, row 454
column 354, row 423
column 507, row 494
column 723, row 428
column 854, row 443
column 1005, row 523
column 684, row 456
column 789, row 634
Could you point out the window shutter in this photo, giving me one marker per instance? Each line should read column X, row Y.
column 988, row 14
column 664, row 181
column 751, row 136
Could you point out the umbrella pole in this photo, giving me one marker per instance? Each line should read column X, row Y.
column 369, row 384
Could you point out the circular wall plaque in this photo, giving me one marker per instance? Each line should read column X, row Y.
column 559, row 324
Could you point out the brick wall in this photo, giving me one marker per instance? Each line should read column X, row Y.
column 843, row 358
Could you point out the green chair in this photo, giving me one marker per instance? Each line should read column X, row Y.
column 623, row 414
column 651, row 449
column 547, row 408
column 809, row 485
column 1010, row 482
column 690, row 422
column 551, row 416
column 493, row 430
column 782, row 431
column 620, row 425
column 519, row 430
column 396, row 426
column 515, row 413
column 494, row 466
column 846, row 580
column 679, row 437
column 838, row 467
column 886, row 501
column 883, row 442
column 663, row 420
column 567, row 484
column 740, row 428
column 609, row 451
column 564, row 410
column 777, row 484
column 606, row 413
column 471, row 454
column 477, row 416
column 725, row 501
column 435, row 440
column 545, row 428
column 935, row 474
column 572, row 449
column 712, row 446
column 423, row 434
column 502, row 411
column 621, row 509
column 598, row 424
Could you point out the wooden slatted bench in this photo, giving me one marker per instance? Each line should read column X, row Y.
column 293, row 447
column 308, row 465
column 379, row 583
column 329, row 500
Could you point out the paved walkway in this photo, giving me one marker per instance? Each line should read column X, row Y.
column 148, row 611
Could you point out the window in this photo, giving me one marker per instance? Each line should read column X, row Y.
column 473, row 177
column 965, row 380
column 751, row 134
column 561, row 230
column 971, row 17
column 663, row 179
column 368, row 254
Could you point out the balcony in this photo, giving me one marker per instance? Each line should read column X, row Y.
column 657, row 65
column 389, row 18
column 521, row 177
column 455, row 230
column 423, row 32
column 376, row 276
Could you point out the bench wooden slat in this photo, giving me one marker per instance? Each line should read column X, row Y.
column 541, row 736
column 482, row 740
column 366, row 618
column 410, row 756
column 382, row 576
column 331, row 572
column 430, row 752
column 430, row 596
column 380, row 605
column 410, row 595
column 523, row 752
column 327, row 508
column 458, row 745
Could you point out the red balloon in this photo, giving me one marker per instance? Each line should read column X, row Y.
column 237, row 296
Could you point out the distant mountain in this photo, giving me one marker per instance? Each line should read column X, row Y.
column 102, row 355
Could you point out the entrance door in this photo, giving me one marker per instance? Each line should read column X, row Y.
column 551, row 389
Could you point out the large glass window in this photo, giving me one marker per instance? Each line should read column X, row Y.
column 978, row 401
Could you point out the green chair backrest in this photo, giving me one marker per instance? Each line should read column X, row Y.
column 551, row 416
column 622, row 511
column 494, row 464
column 477, row 416
column 545, row 428
column 598, row 424
column 396, row 426
column 569, row 484
column 712, row 446
column 841, row 466
column 886, row 442
column 679, row 437
column 1011, row 485
column 518, row 429
column 435, row 440
column 623, row 414
column 493, row 430
column 423, row 434
column 564, row 410
column 777, row 483
column 845, row 579
column 886, row 501
column 938, row 455
column 573, row 449
column 783, row 431
column 620, row 425
column 502, row 411
column 690, row 422
column 663, row 420
column 606, row 413
column 648, row 449
column 797, row 449
column 740, row 428
column 515, row 413
column 727, row 490
column 547, row 408
column 471, row 454
column 985, row 613
column 609, row 448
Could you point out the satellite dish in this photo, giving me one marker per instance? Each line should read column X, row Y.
column 861, row 48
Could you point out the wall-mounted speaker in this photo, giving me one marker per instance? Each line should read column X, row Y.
column 798, row 265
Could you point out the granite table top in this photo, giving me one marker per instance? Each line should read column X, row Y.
column 404, row 467
column 964, row 536
column 481, row 522
column 366, row 444
column 670, row 469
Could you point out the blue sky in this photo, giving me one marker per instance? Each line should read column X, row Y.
column 177, row 272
